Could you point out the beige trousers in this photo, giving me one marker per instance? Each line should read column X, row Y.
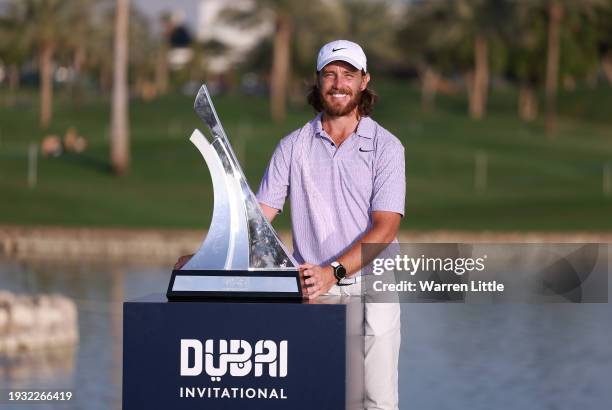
column 382, row 330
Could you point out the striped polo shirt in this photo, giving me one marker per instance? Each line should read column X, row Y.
column 333, row 190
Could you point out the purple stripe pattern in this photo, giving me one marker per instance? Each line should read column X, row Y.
column 333, row 190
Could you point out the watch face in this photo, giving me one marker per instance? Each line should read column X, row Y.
column 339, row 272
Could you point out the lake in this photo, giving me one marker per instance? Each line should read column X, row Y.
column 453, row 356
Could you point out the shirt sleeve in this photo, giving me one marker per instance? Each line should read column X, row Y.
column 389, row 193
column 274, row 186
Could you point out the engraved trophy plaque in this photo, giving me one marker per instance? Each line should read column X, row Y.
column 241, row 256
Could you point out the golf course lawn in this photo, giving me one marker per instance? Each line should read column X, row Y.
column 532, row 182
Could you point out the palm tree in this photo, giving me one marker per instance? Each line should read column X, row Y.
column 76, row 49
column 369, row 23
column 555, row 15
column 481, row 21
column 420, row 45
column 45, row 25
column 568, row 33
column 557, row 11
column 468, row 32
column 280, row 63
column 281, row 13
column 13, row 48
column 161, row 68
column 120, row 148
column 525, row 48
column 144, row 55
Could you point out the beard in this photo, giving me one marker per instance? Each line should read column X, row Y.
column 338, row 110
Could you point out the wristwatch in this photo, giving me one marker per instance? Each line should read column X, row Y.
column 339, row 270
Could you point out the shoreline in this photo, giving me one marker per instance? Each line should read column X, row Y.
column 165, row 245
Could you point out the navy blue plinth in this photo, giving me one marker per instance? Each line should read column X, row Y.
column 316, row 337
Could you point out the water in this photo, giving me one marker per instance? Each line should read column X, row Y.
column 506, row 356
column 452, row 356
column 94, row 367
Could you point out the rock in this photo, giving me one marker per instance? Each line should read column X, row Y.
column 31, row 322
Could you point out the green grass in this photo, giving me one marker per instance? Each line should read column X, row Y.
column 533, row 183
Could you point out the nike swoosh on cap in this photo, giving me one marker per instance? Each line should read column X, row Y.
column 338, row 49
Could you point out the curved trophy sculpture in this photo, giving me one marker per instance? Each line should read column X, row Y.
column 241, row 255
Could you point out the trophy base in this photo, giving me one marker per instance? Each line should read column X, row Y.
column 248, row 285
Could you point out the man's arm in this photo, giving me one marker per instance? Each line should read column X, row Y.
column 269, row 212
column 321, row 278
column 384, row 229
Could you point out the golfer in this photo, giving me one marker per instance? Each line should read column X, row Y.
column 344, row 176
column 345, row 179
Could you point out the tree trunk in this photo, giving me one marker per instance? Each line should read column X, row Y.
column 555, row 15
column 120, row 148
column 14, row 82
column 46, row 83
column 527, row 103
column 161, row 69
column 13, row 77
column 280, row 68
column 429, row 87
column 76, row 90
column 480, row 80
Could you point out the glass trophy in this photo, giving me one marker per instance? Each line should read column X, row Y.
column 241, row 257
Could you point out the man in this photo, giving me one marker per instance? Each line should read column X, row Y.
column 344, row 175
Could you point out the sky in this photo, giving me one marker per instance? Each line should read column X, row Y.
column 153, row 8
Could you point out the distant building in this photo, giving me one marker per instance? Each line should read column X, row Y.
column 211, row 26
column 180, row 39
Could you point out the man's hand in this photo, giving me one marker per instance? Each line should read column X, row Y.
column 182, row 261
column 317, row 279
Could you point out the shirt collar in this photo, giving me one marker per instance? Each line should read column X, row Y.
column 365, row 128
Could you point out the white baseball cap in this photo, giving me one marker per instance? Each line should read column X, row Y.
column 342, row 50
